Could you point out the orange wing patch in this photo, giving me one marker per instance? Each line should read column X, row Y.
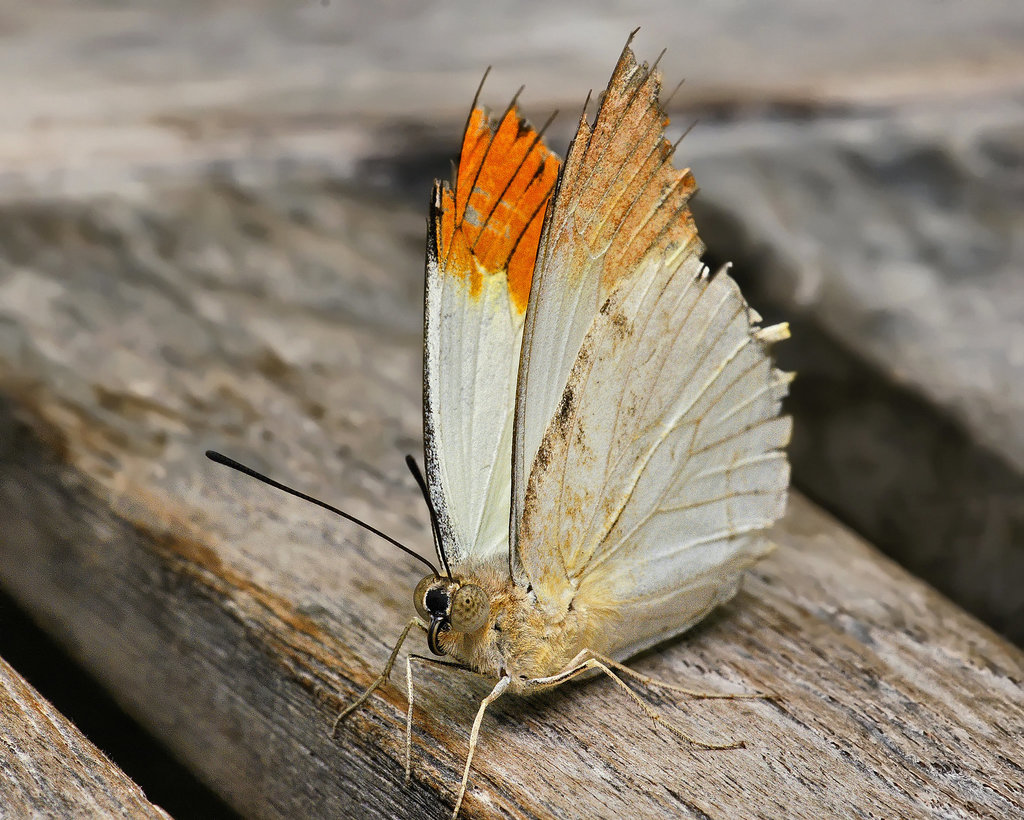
column 491, row 222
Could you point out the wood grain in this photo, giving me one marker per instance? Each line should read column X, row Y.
column 101, row 94
column 235, row 622
column 891, row 245
column 50, row 769
column 205, row 244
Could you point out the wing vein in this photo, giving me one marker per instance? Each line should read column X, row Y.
column 657, row 507
column 668, row 429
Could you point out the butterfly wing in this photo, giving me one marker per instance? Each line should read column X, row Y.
column 647, row 406
column 618, row 201
column 482, row 242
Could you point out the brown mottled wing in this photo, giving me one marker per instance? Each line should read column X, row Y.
column 482, row 242
column 648, row 442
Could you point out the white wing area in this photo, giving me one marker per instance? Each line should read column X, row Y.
column 553, row 336
column 663, row 464
column 471, row 356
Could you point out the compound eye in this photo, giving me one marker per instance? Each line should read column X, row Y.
column 437, row 602
column 419, row 597
column 470, row 608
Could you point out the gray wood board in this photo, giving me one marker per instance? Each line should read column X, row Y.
column 281, row 324
column 92, row 87
column 50, row 769
column 895, row 246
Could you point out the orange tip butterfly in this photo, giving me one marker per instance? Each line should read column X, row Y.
column 601, row 416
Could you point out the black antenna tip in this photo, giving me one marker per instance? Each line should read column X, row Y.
column 227, row 461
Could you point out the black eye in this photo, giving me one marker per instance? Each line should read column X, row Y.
column 437, row 601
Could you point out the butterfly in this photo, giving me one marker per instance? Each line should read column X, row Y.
column 602, row 419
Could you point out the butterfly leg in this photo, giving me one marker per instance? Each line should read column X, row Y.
column 538, row 684
column 381, row 678
column 408, row 689
column 647, row 680
column 496, row 693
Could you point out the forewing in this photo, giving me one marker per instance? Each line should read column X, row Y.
column 482, row 243
column 618, row 202
column 662, row 462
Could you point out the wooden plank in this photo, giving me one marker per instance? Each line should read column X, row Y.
column 280, row 325
column 262, row 310
column 98, row 94
column 891, row 243
column 58, row 678
column 50, row 769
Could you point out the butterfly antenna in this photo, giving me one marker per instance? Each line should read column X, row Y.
column 220, row 458
column 414, row 468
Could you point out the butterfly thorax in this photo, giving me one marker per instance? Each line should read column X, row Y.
column 521, row 638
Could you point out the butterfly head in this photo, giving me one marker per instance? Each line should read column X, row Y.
column 450, row 605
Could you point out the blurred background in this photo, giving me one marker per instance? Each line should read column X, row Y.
column 861, row 164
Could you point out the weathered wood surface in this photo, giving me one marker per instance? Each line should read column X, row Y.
column 207, row 245
column 893, row 244
column 50, row 769
column 235, row 622
column 98, row 92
